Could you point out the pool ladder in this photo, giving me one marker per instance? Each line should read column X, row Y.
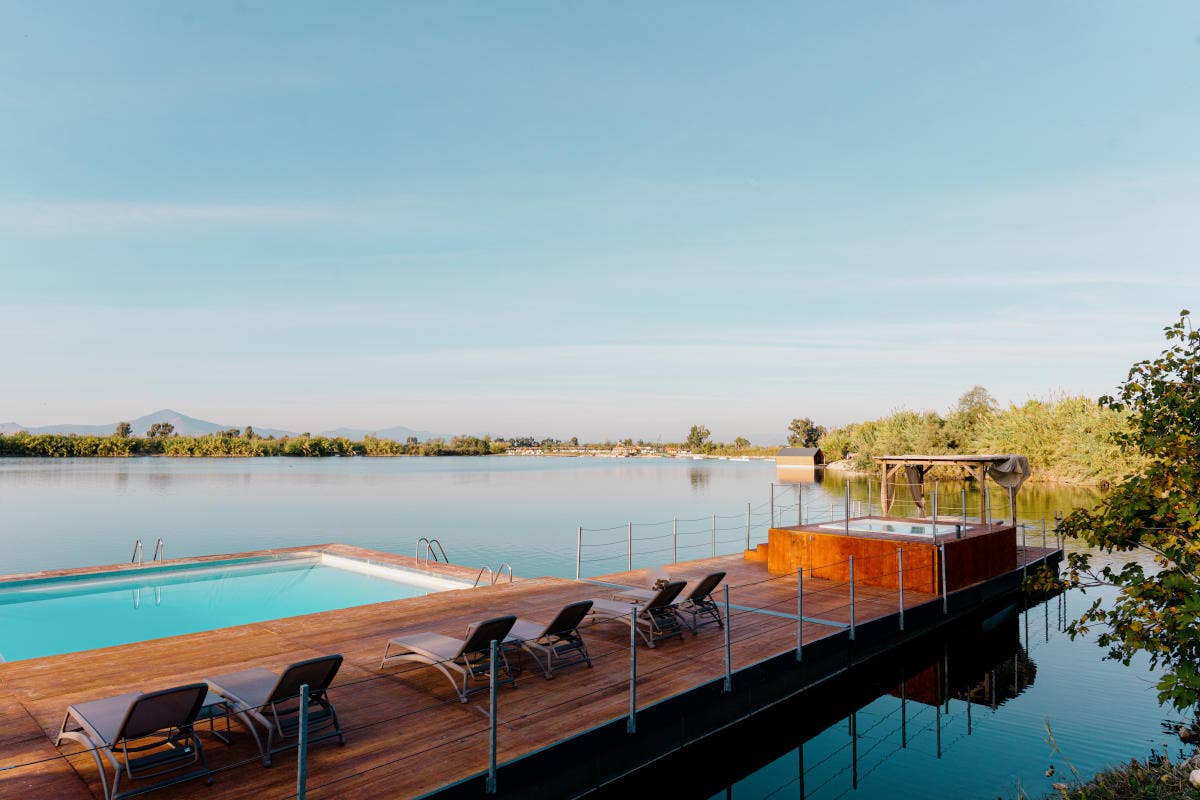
column 495, row 574
column 160, row 552
column 430, row 554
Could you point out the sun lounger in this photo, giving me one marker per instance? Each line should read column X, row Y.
column 558, row 643
column 470, row 657
column 697, row 604
column 656, row 619
column 152, row 733
column 260, row 697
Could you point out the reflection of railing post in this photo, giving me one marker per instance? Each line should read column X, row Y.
column 631, row 721
column 728, row 646
column 900, row 582
column 490, row 786
column 852, row 598
column 1043, row 537
column 302, row 746
column 799, row 612
column 578, row 550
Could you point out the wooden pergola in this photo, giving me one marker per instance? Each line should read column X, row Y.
column 914, row 467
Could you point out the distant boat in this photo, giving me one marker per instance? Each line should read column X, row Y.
column 742, row 458
column 699, row 458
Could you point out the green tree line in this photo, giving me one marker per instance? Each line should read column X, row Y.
column 223, row 444
column 1072, row 439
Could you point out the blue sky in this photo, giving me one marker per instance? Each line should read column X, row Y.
column 591, row 220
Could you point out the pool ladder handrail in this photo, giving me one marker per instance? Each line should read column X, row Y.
column 160, row 551
column 429, row 552
column 137, row 557
column 495, row 573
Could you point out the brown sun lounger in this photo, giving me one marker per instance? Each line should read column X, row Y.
column 698, row 604
column 141, row 735
column 470, row 657
column 260, row 697
column 557, row 644
column 656, row 619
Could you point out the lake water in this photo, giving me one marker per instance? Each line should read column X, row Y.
column 526, row 511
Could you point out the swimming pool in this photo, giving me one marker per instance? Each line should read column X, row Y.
column 48, row 616
column 894, row 526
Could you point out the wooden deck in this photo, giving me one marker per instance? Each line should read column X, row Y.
column 406, row 732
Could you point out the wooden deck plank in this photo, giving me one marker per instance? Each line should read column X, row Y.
column 394, row 718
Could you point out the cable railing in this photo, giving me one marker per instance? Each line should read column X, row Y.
column 760, row 620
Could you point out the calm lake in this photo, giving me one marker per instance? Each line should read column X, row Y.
column 1020, row 675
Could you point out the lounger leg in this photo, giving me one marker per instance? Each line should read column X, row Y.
column 81, row 738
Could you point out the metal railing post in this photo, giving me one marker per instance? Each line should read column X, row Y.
column 490, row 785
column 935, row 507
column 852, row 598
column 799, row 505
column 629, row 536
column 964, row 504
column 847, row 509
column 728, row 646
column 900, row 582
column 945, row 597
column 674, row 540
column 302, row 746
column 578, row 550
column 772, row 505
column 868, row 497
column 1012, row 504
column 631, row 721
column 714, row 535
column 799, row 612
column 747, row 526
column 1024, row 553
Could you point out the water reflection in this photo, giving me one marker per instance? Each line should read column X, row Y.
column 961, row 714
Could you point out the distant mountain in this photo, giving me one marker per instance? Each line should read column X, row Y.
column 398, row 433
column 191, row 426
column 184, row 426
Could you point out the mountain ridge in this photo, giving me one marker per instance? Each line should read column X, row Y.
column 193, row 426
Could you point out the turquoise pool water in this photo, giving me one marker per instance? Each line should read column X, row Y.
column 884, row 526
column 63, row 615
